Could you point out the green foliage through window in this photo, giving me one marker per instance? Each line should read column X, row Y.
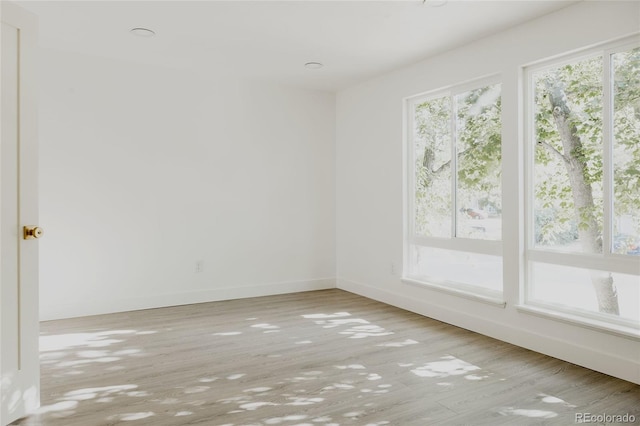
column 458, row 195
column 578, row 121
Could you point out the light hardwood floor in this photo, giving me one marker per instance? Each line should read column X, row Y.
column 317, row 358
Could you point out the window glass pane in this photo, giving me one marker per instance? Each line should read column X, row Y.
column 626, row 152
column 575, row 288
column 478, row 146
column 568, row 157
column 432, row 153
column 447, row 266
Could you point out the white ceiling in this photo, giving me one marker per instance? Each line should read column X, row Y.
column 271, row 40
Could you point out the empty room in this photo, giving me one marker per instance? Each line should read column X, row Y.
column 370, row 213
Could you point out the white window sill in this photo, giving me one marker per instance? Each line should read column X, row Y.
column 451, row 289
column 590, row 323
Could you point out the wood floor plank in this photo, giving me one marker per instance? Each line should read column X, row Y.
column 318, row 358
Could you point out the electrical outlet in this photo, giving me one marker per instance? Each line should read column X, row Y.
column 199, row 265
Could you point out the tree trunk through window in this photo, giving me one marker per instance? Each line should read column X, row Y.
column 575, row 163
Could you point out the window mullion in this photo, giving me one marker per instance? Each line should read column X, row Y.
column 607, row 155
column 529, row 193
column 411, row 166
column 454, row 168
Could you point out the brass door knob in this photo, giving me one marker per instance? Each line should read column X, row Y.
column 32, row 232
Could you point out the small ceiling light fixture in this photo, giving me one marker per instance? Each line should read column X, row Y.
column 313, row 65
column 142, row 32
column 435, row 3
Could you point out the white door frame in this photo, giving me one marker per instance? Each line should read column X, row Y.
column 19, row 316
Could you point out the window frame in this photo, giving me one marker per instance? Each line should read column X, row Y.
column 453, row 242
column 607, row 261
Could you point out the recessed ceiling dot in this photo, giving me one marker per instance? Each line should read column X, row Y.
column 313, row 65
column 142, row 32
column 435, row 3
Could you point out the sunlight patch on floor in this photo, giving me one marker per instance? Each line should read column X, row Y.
column 130, row 417
column 88, row 361
column 351, row 366
column 359, row 328
column 69, row 373
column 128, row 352
column 100, row 339
column 250, row 406
column 536, row 414
column 258, row 389
column 342, row 386
column 92, row 354
column 58, row 406
column 398, row 344
column 304, row 401
column 51, row 357
column 235, row 376
column 537, row 407
column 549, row 399
column 362, row 331
column 289, row 418
column 449, row 366
column 325, row 316
column 332, row 323
column 476, row 377
column 297, row 379
column 100, row 392
column 265, row 326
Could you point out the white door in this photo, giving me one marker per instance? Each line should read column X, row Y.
column 19, row 358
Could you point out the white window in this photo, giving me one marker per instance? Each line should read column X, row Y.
column 583, row 185
column 454, row 188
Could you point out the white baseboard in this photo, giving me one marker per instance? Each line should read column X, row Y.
column 108, row 306
column 563, row 349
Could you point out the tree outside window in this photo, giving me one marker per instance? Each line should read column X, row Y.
column 586, row 178
column 456, row 151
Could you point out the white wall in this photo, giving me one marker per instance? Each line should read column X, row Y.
column 369, row 170
column 146, row 170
